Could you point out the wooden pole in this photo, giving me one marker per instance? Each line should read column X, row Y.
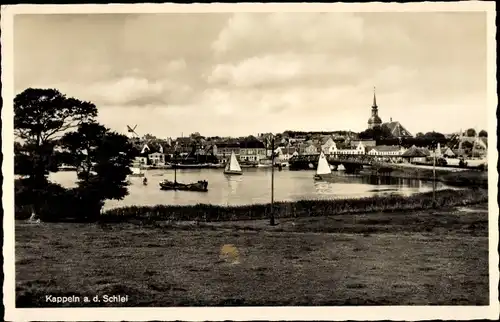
column 272, row 181
column 434, row 177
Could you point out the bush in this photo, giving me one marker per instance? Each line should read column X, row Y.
column 57, row 203
column 53, row 200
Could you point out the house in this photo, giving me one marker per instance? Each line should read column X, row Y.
column 284, row 153
column 311, row 149
column 360, row 149
column 366, row 143
column 329, row 146
column 183, row 145
column 397, row 129
column 157, row 158
column 141, row 160
column 387, row 150
column 145, row 149
column 252, row 150
column 223, row 150
column 414, row 154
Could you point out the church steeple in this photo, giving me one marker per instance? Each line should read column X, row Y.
column 374, row 120
column 374, row 98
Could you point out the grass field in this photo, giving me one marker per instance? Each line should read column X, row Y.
column 399, row 258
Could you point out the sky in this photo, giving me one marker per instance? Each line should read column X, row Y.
column 239, row 74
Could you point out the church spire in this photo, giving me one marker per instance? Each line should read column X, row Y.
column 374, row 98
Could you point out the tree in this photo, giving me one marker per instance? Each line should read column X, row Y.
column 103, row 159
column 483, row 134
column 467, row 145
column 377, row 133
column 41, row 117
column 470, row 133
column 419, row 135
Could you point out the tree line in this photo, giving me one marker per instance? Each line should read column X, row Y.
column 52, row 129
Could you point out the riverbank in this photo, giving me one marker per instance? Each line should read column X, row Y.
column 464, row 178
column 303, row 208
column 398, row 258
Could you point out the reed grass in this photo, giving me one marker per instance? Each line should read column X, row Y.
column 303, row 208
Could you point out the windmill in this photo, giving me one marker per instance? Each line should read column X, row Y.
column 131, row 132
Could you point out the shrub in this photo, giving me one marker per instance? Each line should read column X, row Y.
column 57, row 203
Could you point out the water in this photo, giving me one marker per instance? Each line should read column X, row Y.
column 254, row 186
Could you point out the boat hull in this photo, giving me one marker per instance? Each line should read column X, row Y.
column 190, row 166
column 200, row 186
column 236, row 173
column 323, row 177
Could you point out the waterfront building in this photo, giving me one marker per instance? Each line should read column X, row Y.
column 157, row 159
column 359, row 150
column 387, row 150
column 329, row 147
column 284, row 153
column 223, row 150
column 252, row 150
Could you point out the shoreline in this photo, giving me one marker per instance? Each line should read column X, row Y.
column 302, row 208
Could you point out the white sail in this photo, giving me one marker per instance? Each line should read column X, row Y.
column 323, row 166
column 233, row 164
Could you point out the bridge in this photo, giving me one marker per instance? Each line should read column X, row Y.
column 351, row 162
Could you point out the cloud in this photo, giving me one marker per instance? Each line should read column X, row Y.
column 253, row 34
column 256, row 72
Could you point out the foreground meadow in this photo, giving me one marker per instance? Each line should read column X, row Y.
column 398, row 258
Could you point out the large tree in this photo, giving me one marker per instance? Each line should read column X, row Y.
column 483, row 134
column 41, row 117
column 103, row 160
column 377, row 133
column 470, row 133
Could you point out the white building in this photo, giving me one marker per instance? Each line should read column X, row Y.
column 157, row 158
column 329, row 147
column 387, row 150
column 360, row 149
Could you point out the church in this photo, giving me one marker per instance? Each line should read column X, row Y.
column 396, row 128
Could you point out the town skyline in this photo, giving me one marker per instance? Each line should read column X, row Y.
column 249, row 73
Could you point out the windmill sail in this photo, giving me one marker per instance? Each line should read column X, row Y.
column 323, row 166
column 233, row 165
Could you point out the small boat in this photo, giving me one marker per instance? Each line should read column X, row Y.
column 323, row 170
column 232, row 166
column 200, row 186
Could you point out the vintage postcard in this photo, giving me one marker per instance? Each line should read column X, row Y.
column 250, row 161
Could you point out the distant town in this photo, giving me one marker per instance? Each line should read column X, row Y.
column 382, row 139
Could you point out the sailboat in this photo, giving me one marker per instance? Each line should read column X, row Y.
column 200, row 186
column 233, row 167
column 323, row 170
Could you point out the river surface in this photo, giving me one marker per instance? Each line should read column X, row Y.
column 254, row 186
